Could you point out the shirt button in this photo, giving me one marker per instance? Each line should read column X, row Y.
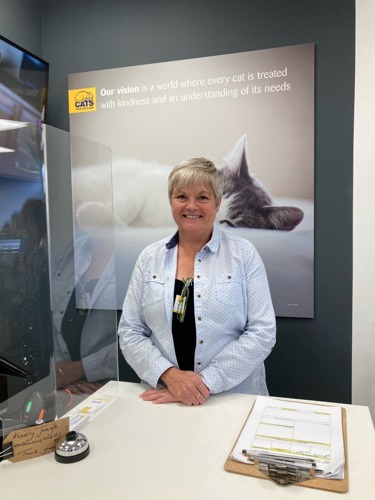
column 199, row 295
column 201, row 341
column 199, row 260
column 198, row 276
column 199, row 318
column 199, row 363
column 229, row 277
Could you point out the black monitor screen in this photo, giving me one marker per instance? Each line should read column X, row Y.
column 25, row 312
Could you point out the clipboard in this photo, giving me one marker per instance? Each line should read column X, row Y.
column 333, row 485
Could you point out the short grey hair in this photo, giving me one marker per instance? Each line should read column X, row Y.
column 196, row 170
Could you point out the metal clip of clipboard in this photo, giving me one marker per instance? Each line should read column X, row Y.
column 282, row 471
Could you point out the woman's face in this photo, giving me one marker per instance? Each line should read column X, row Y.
column 194, row 210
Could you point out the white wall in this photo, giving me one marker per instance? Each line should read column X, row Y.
column 363, row 389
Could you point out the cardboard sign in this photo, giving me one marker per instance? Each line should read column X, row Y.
column 32, row 442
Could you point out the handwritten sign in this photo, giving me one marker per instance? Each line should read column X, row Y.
column 32, row 442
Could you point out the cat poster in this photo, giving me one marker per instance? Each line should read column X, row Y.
column 252, row 113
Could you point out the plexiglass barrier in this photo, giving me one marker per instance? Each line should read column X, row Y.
column 26, row 333
column 83, row 284
column 58, row 315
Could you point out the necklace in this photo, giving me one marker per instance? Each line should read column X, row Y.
column 86, row 289
column 180, row 303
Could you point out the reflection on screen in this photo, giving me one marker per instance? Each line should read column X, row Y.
column 25, row 317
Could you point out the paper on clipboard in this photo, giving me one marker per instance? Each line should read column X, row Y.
column 295, row 430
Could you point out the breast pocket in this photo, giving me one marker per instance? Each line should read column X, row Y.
column 153, row 290
column 229, row 289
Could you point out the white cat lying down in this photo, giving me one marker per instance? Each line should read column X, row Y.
column 140, row 195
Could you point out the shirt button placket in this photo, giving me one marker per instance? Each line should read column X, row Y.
column 197, row 304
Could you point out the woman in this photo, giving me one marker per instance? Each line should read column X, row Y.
column 84, row 297
column 198, row 317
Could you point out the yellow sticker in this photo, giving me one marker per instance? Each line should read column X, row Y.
column 82, row 100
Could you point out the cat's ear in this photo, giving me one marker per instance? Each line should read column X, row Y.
column 283, row 218
column 236, row 161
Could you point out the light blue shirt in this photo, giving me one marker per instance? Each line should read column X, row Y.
column 98, row 338
column 234, row 316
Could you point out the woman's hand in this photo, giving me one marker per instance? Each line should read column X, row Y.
column 68, row 372
column 185, row 386
column 84, row 387
column 158, row 396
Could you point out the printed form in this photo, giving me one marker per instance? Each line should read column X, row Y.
column 296, row 432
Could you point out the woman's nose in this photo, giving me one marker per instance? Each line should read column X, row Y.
column 192, row 205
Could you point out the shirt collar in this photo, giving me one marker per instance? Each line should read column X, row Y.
column 213, row 244
column 172, row 242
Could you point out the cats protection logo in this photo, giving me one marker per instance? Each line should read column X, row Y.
column 82, row 100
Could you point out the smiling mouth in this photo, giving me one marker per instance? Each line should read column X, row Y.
column 192, row 216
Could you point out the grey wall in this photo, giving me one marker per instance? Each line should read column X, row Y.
column 312, row 358
column 21, row 22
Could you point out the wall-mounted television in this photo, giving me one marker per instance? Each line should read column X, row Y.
column 26, row 338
